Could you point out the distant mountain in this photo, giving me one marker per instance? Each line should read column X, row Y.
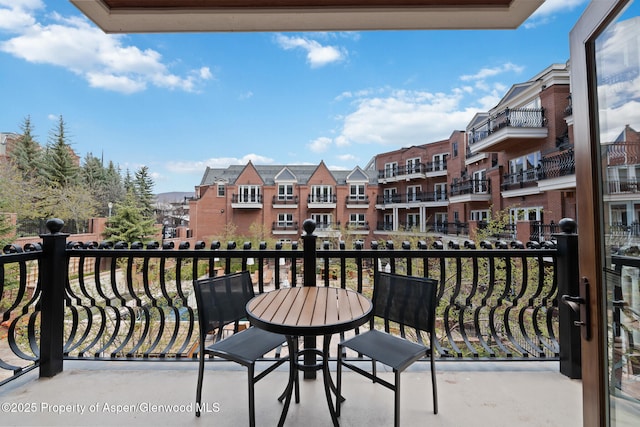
column 173, row 196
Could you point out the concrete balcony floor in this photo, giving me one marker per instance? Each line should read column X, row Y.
column 470, row 394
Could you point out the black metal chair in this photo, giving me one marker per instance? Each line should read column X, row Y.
column 402, row 302
column 222, row 301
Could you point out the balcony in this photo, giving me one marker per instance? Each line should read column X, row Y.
column 321, row 201
column 246, row 201
column 285, row 202
column 127, row 325
column 520, row 183
column 519, row 396
column 404, row 173
column 412, row 199
column 284, row 227
column 357, row 202
column 518, row 126
column 470, row 190
column 557, row 170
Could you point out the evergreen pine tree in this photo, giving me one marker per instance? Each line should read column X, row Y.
column 143, row 185
column 59, row 166
column 27, row 153
column 128, row 223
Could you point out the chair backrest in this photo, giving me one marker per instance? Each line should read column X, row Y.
column 406, row 300
column 222, row 300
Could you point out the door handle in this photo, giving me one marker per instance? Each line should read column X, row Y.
column 580, row 305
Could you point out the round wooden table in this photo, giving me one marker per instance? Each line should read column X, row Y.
column 309, row 311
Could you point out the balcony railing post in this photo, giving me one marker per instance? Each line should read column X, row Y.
column 54, row 275
column 568, row 279
column 309, row 276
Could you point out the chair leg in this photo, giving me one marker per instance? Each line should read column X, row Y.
column 200, row 377
column 434, row 384
column 252, row 403
column 396, row 395
column 339, row 381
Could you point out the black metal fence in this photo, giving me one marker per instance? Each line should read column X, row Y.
column 69, row 300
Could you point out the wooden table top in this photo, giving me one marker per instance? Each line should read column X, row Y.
column 309, row 310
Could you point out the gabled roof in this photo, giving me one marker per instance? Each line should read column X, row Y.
column 357, row 175
column 285, row 175
column 268, row 173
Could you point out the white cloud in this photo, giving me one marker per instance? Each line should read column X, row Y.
column 554, row 6
column 347, row 157
column 492, row 72
column 317, row 54
column 103, row 60
column 216, row 162
column 320, row 145
column 549, row 8
column 401, row 118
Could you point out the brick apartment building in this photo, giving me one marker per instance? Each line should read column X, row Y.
column 517, row 156
column 280, row 198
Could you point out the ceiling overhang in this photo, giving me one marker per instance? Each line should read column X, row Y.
column 161, row 16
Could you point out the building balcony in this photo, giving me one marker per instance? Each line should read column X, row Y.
column 163, row 394
column 321, row 202
column 412, row 200
column 284, row 227
column 521, row 183
column 285, row 202
column 241, row 201
column 127, row 323
column 436, row 169
column 519, row 126
column 358, row 202
column 470, row 190
column 403, row 173
column 557, row 170
column 357, row 227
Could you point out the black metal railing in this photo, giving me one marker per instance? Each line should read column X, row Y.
column 284, row 226
column 509, row 117
column 557, row 164
column 248, row 199
column 357, row 200
column 284, row 200
column 321, row 198
column 74, row 300
column 470, row 186
column 522, row 179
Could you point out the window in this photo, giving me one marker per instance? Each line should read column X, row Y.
column 413, row 193
column 321, row 194
column 390, row 169
column 480, row 215
column 285, row 220
column 413, row 220
column 525, row 214
column 356, row 192
column 388, row 222
column 322, row 220
column 285, row 191
column 454, row 148
column 357, row 220
column 480, row 181
column 440, row 162
column 440, row 192
column 221, row 189
column 413, row 165
column 525, row 167
column 389, row 195
column 249, row 194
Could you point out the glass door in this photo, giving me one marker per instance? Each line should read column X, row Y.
column 617, row 91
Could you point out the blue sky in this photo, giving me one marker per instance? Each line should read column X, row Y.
column 180, row 102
